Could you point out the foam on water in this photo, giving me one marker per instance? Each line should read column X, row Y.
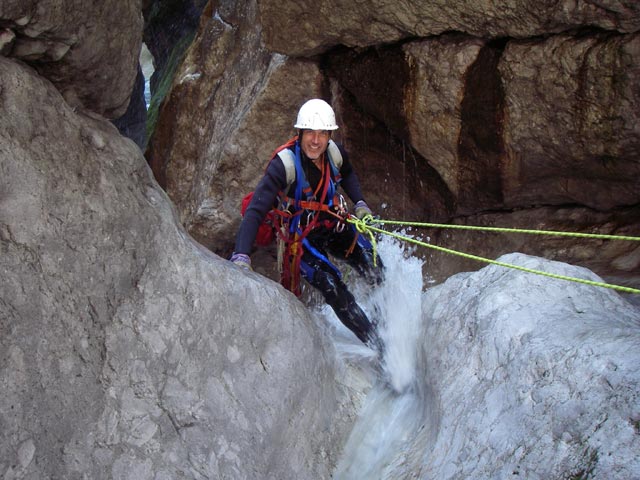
column 396, row 306
column 395, row 407
column 399, row 305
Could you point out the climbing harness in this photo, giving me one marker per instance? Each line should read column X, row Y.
column 366, row 226
column 299, row 213
column 267, row 229
column 293, row 231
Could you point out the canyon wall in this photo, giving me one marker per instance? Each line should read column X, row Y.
column 519, row 116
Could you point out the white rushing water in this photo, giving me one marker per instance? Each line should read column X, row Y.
column 534, row 378
column 396, row 408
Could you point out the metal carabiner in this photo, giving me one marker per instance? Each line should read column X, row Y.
column 342, row 211
column 343, row 208
column 310, row 216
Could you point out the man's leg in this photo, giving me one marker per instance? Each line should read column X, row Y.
column 335, row 292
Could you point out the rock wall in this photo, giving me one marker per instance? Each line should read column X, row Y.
column 452, row 112
column 574, row 137
column 374, row 22
column 88, row 49
column 127, row 350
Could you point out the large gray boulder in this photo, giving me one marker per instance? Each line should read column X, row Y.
column 539, row 377
column 88, row 49
column 126, row 349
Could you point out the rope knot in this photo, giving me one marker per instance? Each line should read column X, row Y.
column 362, row 226
column 361, row 223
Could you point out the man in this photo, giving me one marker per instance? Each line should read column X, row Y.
column 300, row 184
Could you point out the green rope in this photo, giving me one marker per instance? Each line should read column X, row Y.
column 364, row 226
column 510, row 230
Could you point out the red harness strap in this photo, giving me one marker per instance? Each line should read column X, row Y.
column 290, row 143
column 293, row 246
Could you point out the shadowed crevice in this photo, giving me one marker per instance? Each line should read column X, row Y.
column 377, row 78
column 481, row 144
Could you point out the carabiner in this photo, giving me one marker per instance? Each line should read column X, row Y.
column 310, row 216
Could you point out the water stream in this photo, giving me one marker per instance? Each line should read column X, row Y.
column 397, row 411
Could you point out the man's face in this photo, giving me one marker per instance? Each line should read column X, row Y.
column 314, row 142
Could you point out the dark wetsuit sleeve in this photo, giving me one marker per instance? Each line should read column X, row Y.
column 350, row 183
column 264, row 197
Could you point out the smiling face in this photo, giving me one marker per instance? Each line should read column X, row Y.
column 314, row 142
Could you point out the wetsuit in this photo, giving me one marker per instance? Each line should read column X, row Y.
column 315, row 266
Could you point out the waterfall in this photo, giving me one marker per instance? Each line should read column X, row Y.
column 397, row 409
column 148, row 68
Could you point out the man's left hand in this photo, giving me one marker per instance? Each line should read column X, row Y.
column 362, row 209
column 241, row 260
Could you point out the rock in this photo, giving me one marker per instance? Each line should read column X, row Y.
column 518, row 376
column 395, row 178
column 295, row 28
column 435, row 101
column 570, row 121
column 126, row 349
column 219, row 157
column 533, row 375
column 437, row 105
column 89, row 50
column 7, row 37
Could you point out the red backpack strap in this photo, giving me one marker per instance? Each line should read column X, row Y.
column 290, row 143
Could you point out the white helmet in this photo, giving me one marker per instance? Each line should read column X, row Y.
column 316, row 114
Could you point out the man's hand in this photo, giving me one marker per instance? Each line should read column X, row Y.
column 362, row 209
column 242, row 260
